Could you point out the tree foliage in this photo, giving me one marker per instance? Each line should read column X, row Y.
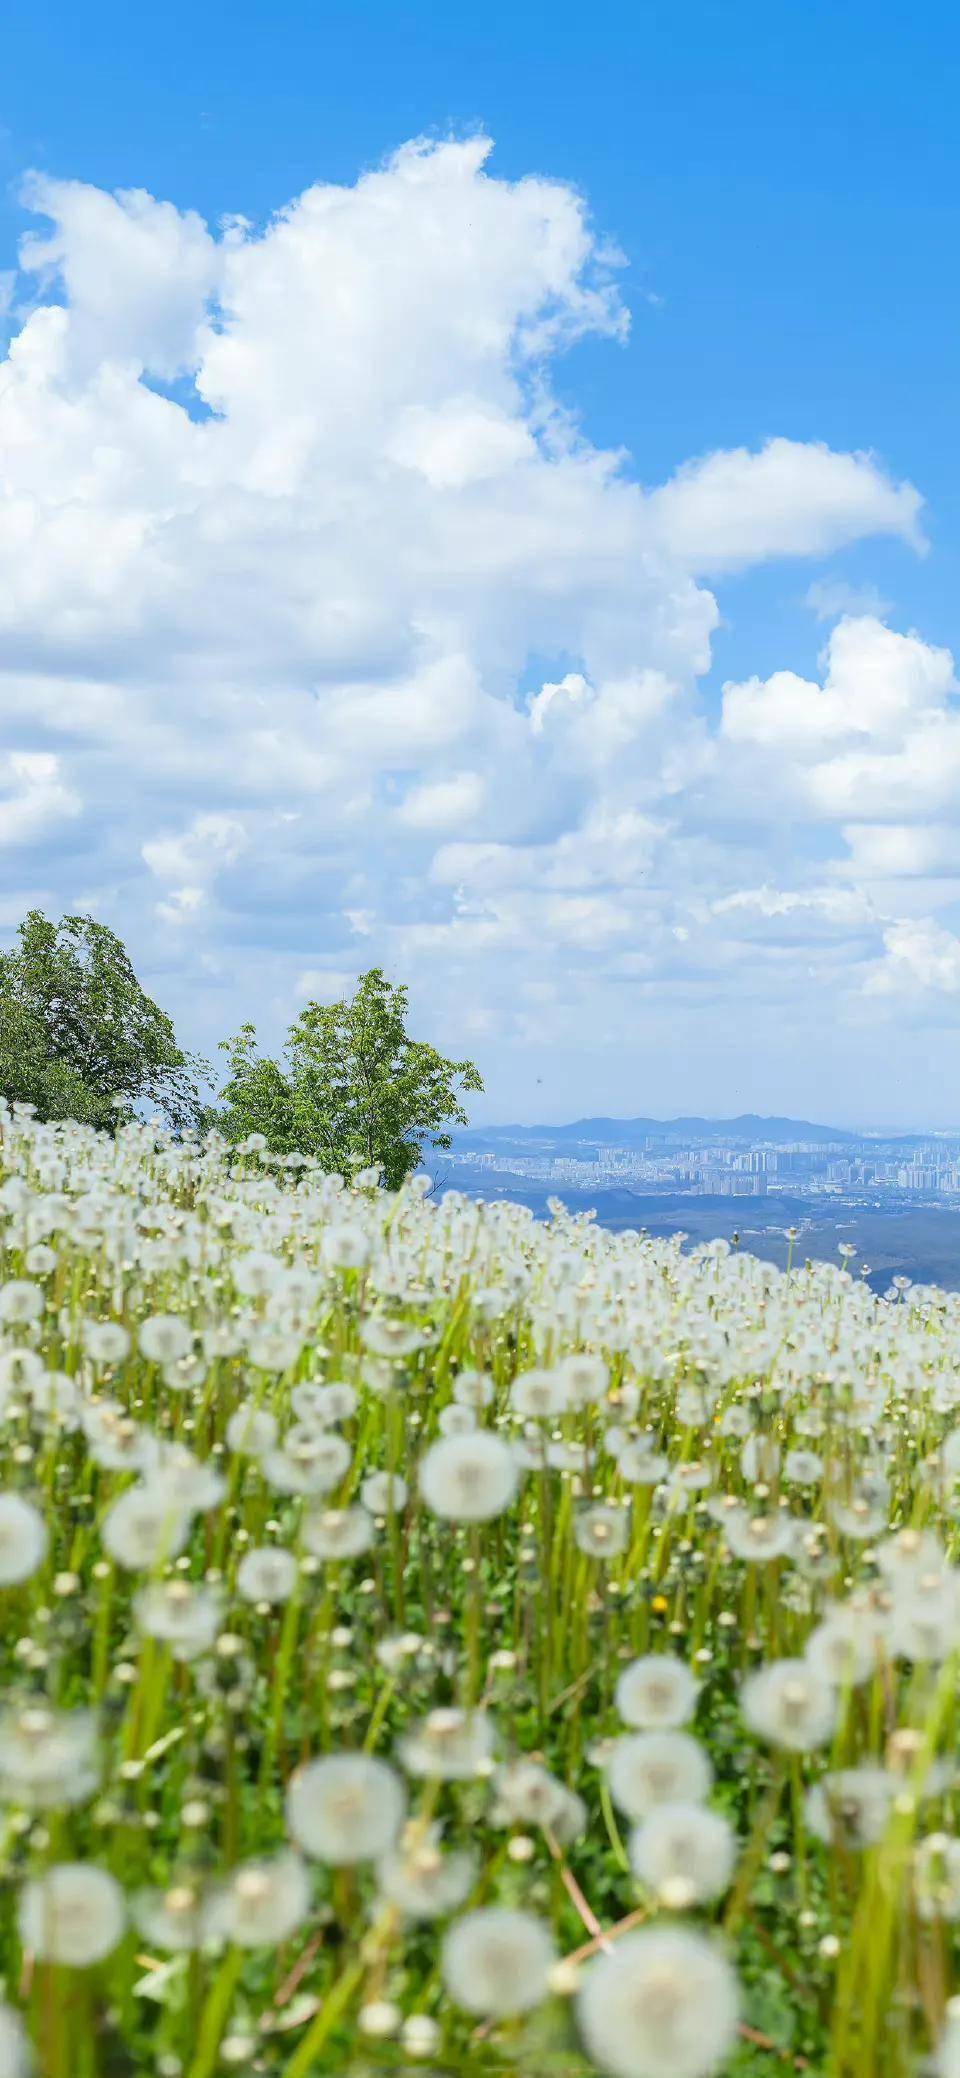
column 351, row 1088
column 78, row 1036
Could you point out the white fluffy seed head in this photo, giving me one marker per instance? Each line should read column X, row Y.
column 585, row 1377
column 789, row 1704
column 662, row 2003
column 650, row 1768
column 23, row 1539
column 267, row 1573
column 20, row 1301
column 384, row 1493
column 449, row 1745
column 345, row 1808
column 601, row 1531
column 656, row 1693
column 337, row 1533
column 251, row 1431
column 684, row 1853
column 165, row 1338
column 422, row 1882
column 850, row 1807
column 74, row 1913
column 948, row 2048
column 48, row 1758
column 469, row 1478
column 16, row 2059
column 539, row 1395
column 497, row 1962
column 145, row 1526
column 186, row 1618
column 263, row 1903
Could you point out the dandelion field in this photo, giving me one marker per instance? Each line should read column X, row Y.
column 433, row 1641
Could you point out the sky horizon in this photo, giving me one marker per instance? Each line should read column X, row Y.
column 478, row 497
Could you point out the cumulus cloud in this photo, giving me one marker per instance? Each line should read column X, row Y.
column 137, row 273
column 918, row 955
column 879, row 688
column 329, row 636
column 793, row 498
column 901, row 851
column 876, row 741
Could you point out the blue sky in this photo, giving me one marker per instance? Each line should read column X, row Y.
column 781, row 185
column 782, row 182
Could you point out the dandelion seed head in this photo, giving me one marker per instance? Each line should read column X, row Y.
column 23, row 1539
column 644, row 1769
column 656, row 1693
column 449, row 1744
column 345, row 1808
column 497, row 1962
column 74, row 1913
column 684, row 1854
column 266, row 1573
column 16, row 2056
column 469, row 1478
column 662, row 2003
column 789, row 1704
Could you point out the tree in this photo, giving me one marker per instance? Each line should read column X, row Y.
column 78, row 1036
column 352, row 1087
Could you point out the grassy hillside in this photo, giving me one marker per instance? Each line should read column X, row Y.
column 434, row 1638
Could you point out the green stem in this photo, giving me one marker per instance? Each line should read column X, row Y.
column 303, row 2058
column 214, row 2014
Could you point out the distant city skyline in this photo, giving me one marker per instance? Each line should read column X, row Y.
column 751, row 1155
column 890, row 1204
column 478, row 496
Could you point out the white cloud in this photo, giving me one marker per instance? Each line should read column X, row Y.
column 353, row 647
column 864, row 763
column 34, row 798
column 210, row 841
column 901, row 851
column 188, row 862
column 836, row 905
column 182, row 906
column 831, row 598
column 461, row 443
column 444, row 804
column 873, row 750
column 878, row 688
column 565, row 695
column 137, row 273
column 794, row 498
column 918, row 954
column 324, row 984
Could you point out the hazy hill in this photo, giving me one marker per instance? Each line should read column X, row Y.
column 633, row 1132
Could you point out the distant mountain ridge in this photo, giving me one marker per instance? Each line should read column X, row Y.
column 750, row 1127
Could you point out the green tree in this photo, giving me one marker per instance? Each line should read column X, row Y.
column 78, row 1036
column 351, row 1088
